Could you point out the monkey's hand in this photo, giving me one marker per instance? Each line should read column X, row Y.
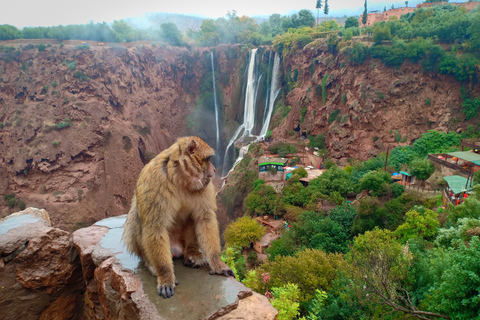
column 166, row 290
column 223, row 270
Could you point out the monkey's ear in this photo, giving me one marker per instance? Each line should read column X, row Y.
column 192, row 147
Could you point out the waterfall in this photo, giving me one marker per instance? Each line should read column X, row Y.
column 273, row 93
column 216, row 106
column 251, row 91
column 250, row 95
column 248, row 117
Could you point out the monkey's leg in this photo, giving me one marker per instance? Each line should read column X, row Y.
column 156, row 246
column 206, row 228
column 192, row 257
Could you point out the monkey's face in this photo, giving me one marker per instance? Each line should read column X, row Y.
column 196, row 164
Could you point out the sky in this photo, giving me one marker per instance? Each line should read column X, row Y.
column 63, row 12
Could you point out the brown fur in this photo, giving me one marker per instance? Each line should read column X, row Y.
column 173, row 212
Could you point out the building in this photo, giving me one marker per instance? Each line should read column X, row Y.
column 265, row 163
column 457, row 190
column 464, row 162
column 377, row 16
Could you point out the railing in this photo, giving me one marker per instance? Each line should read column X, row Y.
column 469, row 143
column 434, row 158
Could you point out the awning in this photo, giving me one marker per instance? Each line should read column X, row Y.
column 457, row 184
column 467, row 156
column 405, row 173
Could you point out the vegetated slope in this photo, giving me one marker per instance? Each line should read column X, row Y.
column 78, row 123
column 367, row 107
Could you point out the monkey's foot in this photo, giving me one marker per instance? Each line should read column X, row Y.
column 194, row 261
column 226, row 271
column 166, row 291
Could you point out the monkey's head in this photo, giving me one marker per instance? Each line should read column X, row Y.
column 195, row 155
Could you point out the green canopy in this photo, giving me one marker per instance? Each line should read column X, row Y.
column 458, row 183
column 467, row 156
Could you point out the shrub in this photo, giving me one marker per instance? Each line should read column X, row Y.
column 72, row 65
column 1, row 125
column 81, row 76
column 83, row 46
column 317, row 141
column 357, row 54
column 64, row 124
column 243, row 231
column 380, row 95
column 55, row 143
column 303, row 112
column 295, row 75
column 427, row 102
column 344, row 98
column 41, row 47
column 54, row 84
column 324, row 88
column 333, row 116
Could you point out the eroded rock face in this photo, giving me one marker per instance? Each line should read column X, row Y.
column 120, row 287
column 40, row 272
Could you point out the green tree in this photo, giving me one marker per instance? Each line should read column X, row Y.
column 8, row 32
column 364, row 16
column 243, row 231
column 421, row 168
column 305, row 18
column 419, row 223
column 286, row 301
column 374, row 181
column 301, row 172
column 351, row 22
column 381, row 268
column 309, row 270
column 381, row 32
column 122, row 31
column 457, row 290
column 325, row 11
column 171, row 34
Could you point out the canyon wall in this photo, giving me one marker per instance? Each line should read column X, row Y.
column 77, row 124
column 368, row 107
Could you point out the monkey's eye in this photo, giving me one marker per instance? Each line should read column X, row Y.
column 207, row 159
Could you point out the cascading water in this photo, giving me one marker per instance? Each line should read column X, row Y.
column 273, row 94
column 248, row 116
column 245, row 129
column 216, row 106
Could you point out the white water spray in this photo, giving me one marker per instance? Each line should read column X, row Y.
column 216, row 106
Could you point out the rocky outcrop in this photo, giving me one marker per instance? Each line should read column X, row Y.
column 118, row 286
column 40, row 272
column 45, row 274
column 378, row 106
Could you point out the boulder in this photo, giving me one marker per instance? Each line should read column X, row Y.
column 40, row 273
column 118, row 286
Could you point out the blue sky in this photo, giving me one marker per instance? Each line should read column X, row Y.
column 54, row 12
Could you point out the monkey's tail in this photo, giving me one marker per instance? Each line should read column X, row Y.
column 132, row 230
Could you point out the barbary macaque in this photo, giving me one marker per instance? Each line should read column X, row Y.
column 173, row 213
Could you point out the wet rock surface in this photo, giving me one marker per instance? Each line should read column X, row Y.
column 120, row 287
column 40, row 274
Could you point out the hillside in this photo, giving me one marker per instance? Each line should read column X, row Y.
column 78, row 122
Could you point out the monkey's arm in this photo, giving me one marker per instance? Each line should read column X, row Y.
column 206, row 228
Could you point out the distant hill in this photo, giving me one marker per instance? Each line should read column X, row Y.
column 153, row 20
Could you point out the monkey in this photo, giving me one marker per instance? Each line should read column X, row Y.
column 173, row 213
